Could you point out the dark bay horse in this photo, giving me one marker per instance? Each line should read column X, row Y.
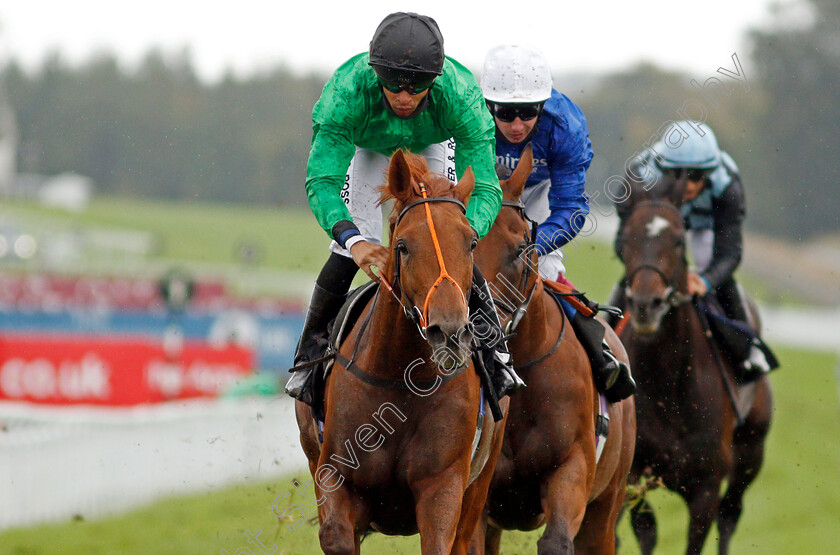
column 689, row 434
column 547, row 471
column 401, row 450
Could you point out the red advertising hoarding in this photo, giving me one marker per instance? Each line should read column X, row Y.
column 60, row 370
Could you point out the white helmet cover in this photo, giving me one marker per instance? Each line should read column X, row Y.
column 516, row 74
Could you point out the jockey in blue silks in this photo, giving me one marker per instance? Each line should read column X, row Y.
column 517, row 87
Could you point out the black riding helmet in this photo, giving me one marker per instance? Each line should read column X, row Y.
column 407, row 48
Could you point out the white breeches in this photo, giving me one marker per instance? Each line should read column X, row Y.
column 701, row 245
column 367, row 171
column 535, row 200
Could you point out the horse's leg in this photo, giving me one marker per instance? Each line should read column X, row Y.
column 474, row 510
column 438, row 501
column 703, row 502
column 563, row 498
column 478, row 537
column 597, row 532
column 341, row 525
column 644, row 526
column 749, row 455
column 492, row 540
column 484, row 536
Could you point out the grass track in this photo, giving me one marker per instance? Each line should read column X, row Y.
column 793, row 506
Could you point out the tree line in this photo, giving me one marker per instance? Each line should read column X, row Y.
column 158, row 131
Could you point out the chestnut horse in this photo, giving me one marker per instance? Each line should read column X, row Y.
column 547, row 471
column 401, row 451
column 688, row 429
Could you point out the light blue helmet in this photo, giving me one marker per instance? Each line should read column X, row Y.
column 683, row 146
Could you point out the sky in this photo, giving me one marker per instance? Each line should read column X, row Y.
column 248, row 36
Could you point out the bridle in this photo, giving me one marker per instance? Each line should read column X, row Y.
column 672, row 295
column 414, row 314
column 420, row 317
column 518, row 312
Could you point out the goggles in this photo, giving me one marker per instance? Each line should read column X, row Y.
column 410, row 89
column 509, row 112
column 696, row 174
column 398, row 80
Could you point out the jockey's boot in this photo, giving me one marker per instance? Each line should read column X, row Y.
column 759, row 360
column 756, row 364
column 491, row 347
column 314, row 339
column 612, row 377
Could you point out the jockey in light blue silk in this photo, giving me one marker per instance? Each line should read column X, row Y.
column 714, row 209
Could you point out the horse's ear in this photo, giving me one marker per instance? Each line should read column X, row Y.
column 465, row 186
column 399, row 177
column 514, row 185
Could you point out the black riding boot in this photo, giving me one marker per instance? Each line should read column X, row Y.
column 730, row 300
column 759, row 359
column 612, row 377
column 491, row 343
column 327, row 299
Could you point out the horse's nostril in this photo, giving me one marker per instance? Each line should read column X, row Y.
column 435, row 335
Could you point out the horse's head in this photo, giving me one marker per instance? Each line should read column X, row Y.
column 432, row 244
column 507, row 252
column 654, row 248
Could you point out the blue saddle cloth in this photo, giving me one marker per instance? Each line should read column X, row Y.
column 735, row 338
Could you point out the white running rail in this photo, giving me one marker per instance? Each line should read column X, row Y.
column 56, row 463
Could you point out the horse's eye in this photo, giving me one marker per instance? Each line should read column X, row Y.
column 473, row 244
column 401, row 248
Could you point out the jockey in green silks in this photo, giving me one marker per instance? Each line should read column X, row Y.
column 402, row 94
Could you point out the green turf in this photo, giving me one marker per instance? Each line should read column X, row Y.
column 198, row 233
column 793, row 506
column 286, row 240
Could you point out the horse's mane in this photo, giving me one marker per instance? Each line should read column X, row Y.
column 436, row 184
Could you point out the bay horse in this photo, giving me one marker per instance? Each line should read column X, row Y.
column 402, row 452
column 547, row 471
column 690, row 432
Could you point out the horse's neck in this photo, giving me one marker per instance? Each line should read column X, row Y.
column 670, row 357
column 391, row 341
column 534, row 328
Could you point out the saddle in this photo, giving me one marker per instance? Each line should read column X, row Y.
column 734, row 338
column 340, row 327
column 348, row 315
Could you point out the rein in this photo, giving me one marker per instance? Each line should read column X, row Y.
column 413, row 314
column 671, row 296
column 518, row 312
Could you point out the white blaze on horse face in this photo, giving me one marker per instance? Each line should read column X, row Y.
column 656, row 226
